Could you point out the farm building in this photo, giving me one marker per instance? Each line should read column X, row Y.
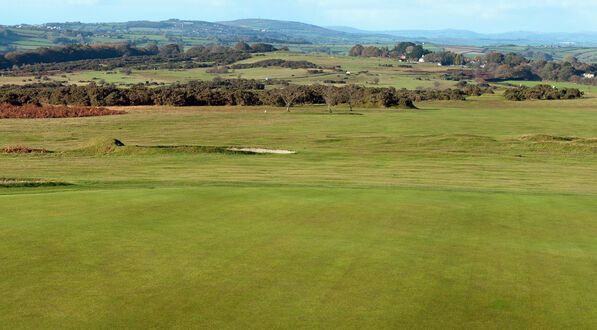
column 589, row 75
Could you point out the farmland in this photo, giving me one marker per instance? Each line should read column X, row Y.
column 477, row 214
column 364, row 71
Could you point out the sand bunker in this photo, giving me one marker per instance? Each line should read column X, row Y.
column 106, row 146
column 263, row 151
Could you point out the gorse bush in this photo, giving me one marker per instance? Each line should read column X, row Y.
column 541, row 92
column 223, row 92
column 277, row 63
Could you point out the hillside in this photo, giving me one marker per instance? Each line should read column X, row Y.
column 173, row 27
column 470, row 38
column 187, row 32
column 298, row 36
column 310, row 32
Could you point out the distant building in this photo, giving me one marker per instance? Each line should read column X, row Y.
column 421, row 60
column 589, row 75
column 348, row 73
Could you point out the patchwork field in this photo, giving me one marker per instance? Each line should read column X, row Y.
column 364, row 71
column 475, row 214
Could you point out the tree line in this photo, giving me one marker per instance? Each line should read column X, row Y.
column 92, row 57
column 73, row 52
column 278, row 63
column 227, row 92
column 404, row 50
column 495, row 66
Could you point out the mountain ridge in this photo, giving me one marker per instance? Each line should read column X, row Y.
column 274, row 31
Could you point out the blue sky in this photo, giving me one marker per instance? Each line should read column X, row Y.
column 479, row 15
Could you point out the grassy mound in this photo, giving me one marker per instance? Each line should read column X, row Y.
column 106, row 146
column 546, row 138
column 102, row 146
column 554, row 143
column 455, row 140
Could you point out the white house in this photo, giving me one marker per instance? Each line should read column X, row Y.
column 421, row 60
column 589, row 75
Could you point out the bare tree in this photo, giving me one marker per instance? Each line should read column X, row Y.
column 289, row 94
column 352, row 94
column 330, row 95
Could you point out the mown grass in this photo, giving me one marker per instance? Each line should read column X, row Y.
column 476, row 214
column 230, row 257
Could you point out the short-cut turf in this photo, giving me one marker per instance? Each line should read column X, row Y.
column 476, row 214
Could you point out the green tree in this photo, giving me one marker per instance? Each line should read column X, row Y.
column 494, row 58
column 357, row 51
column 371, row 51
column 242, row 47
column 566, row 72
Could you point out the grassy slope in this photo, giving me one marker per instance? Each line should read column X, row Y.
column 390, row 219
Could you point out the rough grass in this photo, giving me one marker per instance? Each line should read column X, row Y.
column 24, row 150
column 560, row 143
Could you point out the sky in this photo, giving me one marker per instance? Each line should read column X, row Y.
column 481, row 15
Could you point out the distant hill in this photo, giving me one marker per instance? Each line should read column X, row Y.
column 173, row 27
column 347, row 29
column 189, row 33
column 192, row 33
column 470, row 38
column 310, row 32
